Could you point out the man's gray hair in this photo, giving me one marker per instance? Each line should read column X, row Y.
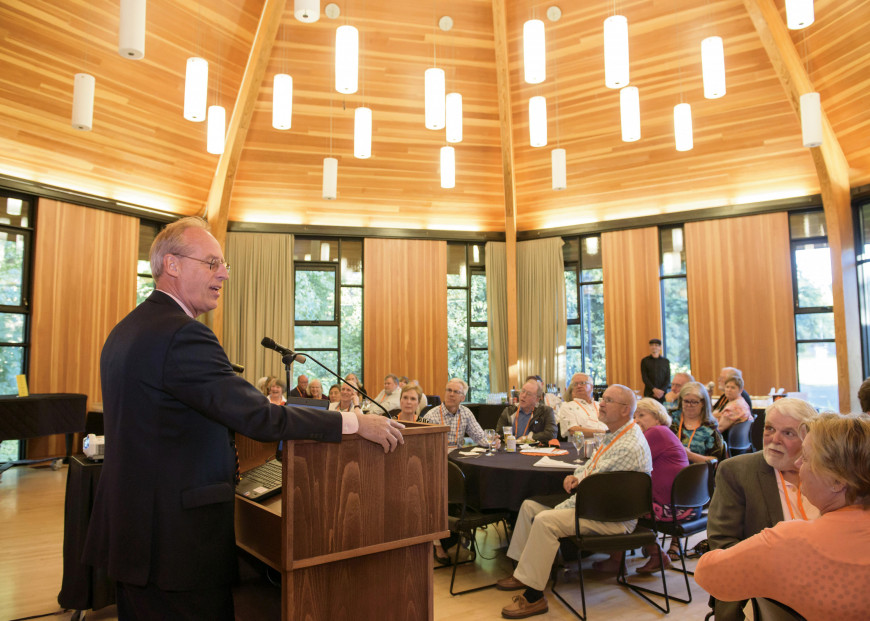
column 171, row 241
column 798, row 409
column 461, row 381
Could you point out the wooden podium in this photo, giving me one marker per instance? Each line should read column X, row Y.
column 352, row 531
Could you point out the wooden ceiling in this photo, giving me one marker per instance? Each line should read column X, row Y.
column 142, row 151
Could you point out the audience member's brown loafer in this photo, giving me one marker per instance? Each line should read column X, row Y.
column 520, row 608
column 509, row 584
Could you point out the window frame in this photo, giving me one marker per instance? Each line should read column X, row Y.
column 471, row 269
column 683, row 275
column 578, row 321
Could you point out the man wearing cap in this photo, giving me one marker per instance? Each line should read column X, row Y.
column 655, row 370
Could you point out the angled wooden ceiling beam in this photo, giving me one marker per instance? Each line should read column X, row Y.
column 833, row 172
column 505, row 115
column 217, row 206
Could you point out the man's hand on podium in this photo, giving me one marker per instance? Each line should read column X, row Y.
column 381, row 430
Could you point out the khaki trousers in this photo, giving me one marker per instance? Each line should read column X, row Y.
column 536, row 535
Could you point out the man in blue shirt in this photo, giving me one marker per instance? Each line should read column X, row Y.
column 532, row 419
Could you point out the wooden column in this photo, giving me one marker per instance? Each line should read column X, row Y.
column 833, row 172
column 505, row 115
column 218, row 203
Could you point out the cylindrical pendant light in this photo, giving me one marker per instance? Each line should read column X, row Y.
column 83, row 102
column 434, row 98
column 306, row 10
column 629, row 113
column 346, row 59
column 559, row 169
column 454, row 117
column 811, row 119
column 799, row 13
column 362, row 133
column 592, row 246
column 677, row 240
column 616, row 51
column 534, row 52
column 282, row 101
column 217, row 129
column 195, row 89
column 713, row 67
column 448, row 168
column 538, row 121
column 683, row 127
column 131, row 31
column 330, row 178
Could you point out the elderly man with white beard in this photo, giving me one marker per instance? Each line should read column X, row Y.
column 757, row 490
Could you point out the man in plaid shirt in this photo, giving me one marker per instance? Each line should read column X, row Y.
column 538, row 529
column 458, row 417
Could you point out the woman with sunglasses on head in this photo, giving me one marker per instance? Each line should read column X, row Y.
column 695, row 426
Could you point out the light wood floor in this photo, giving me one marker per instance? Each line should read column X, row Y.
column 31, row 540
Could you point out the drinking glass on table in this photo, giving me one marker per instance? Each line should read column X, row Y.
column 599, row 439
column 577, row 440
column 490, row 436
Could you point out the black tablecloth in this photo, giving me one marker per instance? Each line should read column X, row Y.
column 504, row 480
column 83, row 587
column 41, row 415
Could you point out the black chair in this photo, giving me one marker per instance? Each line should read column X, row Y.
column 757, row 431
column 614, row 497
column 764, row 609
column 691, row 489
column 738, row 438
column 465, row 521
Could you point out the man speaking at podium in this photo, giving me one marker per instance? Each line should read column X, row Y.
column 162, row 522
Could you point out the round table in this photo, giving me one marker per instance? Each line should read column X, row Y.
column 505, row 480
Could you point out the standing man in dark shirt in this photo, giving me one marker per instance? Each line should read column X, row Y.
column 655, row 370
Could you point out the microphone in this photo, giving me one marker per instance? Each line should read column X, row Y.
column 284, row 351
column 237, row 368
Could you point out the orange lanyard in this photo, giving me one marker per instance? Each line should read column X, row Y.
column 800, row 504
column 601, row 451
column 691, row 437
column 517, row 420
column 459, row 414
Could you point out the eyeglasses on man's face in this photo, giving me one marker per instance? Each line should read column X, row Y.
column 451, row 391
column 608, row 400
column 212, row 263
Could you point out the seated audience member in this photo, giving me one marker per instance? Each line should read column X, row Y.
column 530, row 419
column 363, row 401
column 423, row 400
column 316, row 389
column 536, row 536
column 695, row 426
column 346, row 401
column 734, row 409
column 655, row 371
column 757, row 490
column 261, row 384
column 334, row 393
column 403, row 381
column 540, row 382
column 819, row 568
column 276, row 391
column 677, row 382
column 301, row 389
column 579, row 412
column 668, row 458
column 408, row 403
column 459, row 418
column 724, row 374
column 864, row 395
column 389, row 396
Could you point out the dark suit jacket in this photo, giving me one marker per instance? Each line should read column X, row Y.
column 163, row 512
column 745, row 502
column 543, row 426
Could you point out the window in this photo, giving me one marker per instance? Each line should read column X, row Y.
column 144, row 281
column 328, row 295
column 675, row 299
column 467, row 336
column 17, row 215
column 863, row 259
column 584, row 292
column 813, row 307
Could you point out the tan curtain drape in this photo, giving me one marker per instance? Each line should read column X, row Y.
column 541, row 312
column 496, row 315
column 258, row 301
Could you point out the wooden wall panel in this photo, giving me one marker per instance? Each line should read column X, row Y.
column 84, row 282
column 741, row 308
column 405, row 312
column 632, row 301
